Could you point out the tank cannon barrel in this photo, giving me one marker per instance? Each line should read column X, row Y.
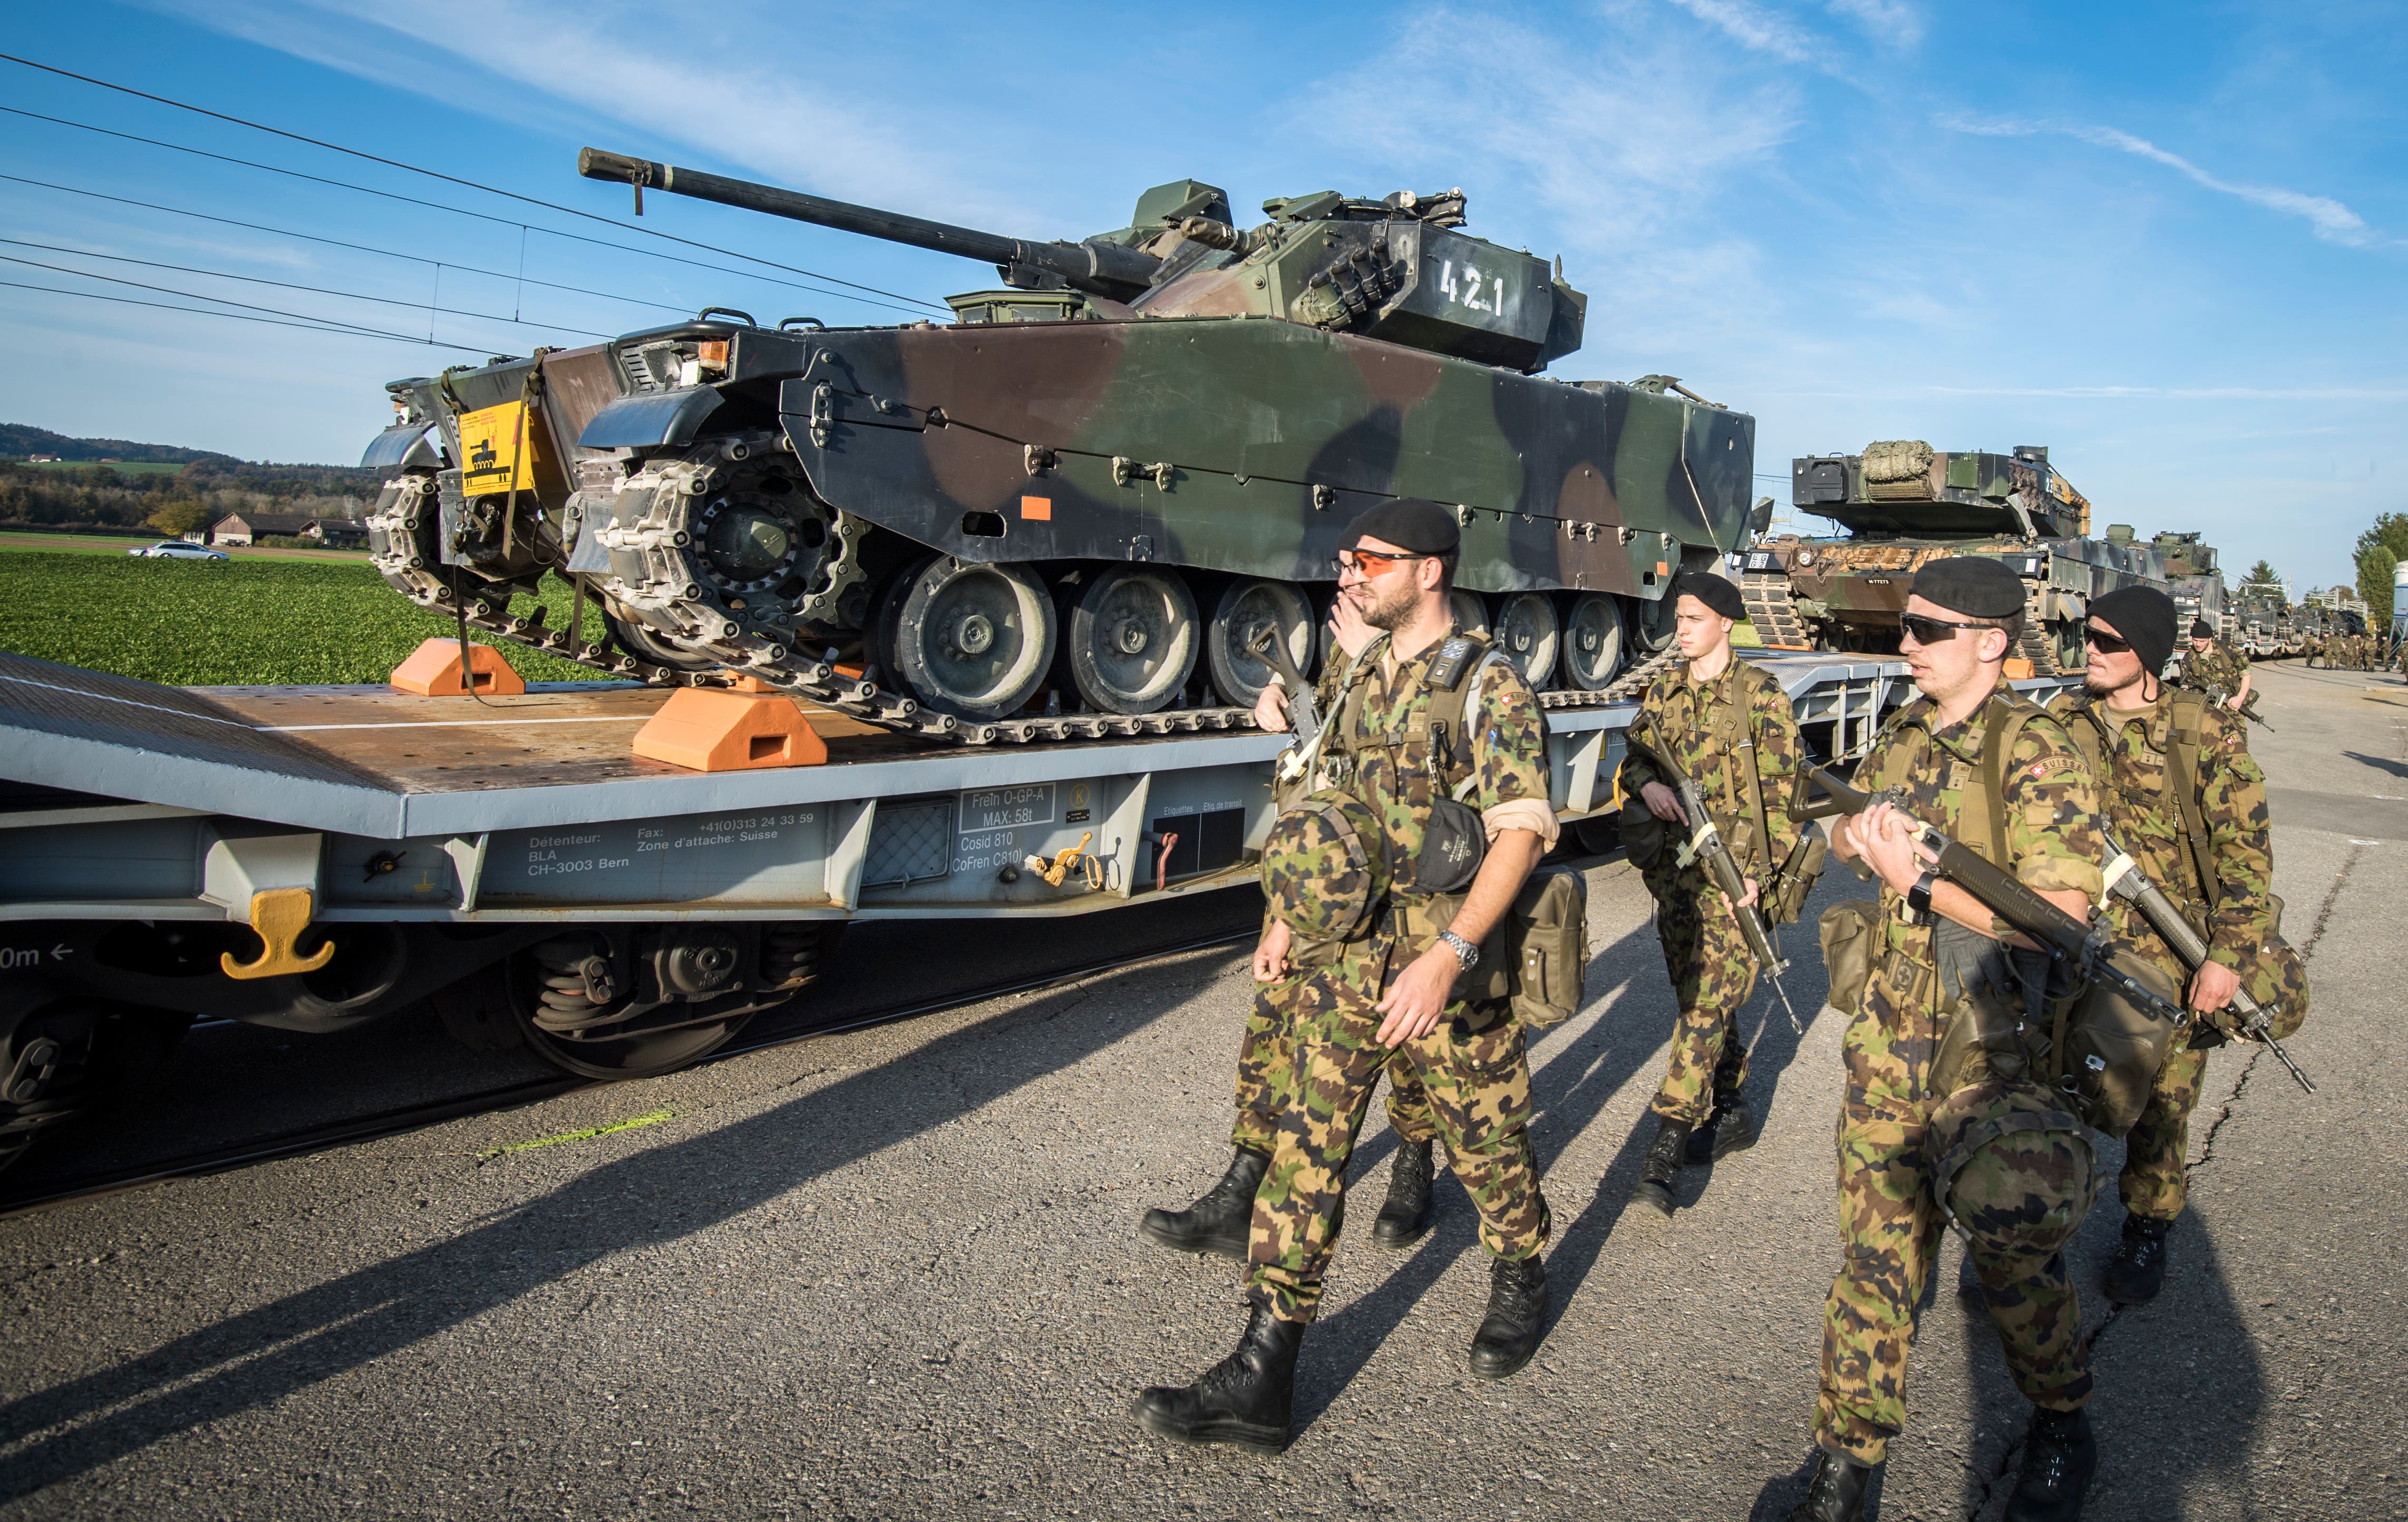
column 1106, row 269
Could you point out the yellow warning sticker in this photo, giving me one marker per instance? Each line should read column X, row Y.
column 500, row 450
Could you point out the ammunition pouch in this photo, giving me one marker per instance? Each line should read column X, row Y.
column 1535, row 959
column 1784, row 896
column 1852, row 936
column 2108, row 1049
column 1998, row 1000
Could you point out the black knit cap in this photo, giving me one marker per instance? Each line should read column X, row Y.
column 1973, row 585
column 1714, row 591
column 1409, row 522
column 2200, row 629
column 2144, row 616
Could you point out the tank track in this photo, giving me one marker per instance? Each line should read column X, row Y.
column 1774, row 611
column 2035, row 645
column 418, row 576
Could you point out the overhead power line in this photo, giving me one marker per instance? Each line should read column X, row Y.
column 274, row 311
column 345, row 331
column 551, row 232
column 453, row 179
column 288, row 285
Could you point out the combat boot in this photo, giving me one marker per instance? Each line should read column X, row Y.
column 1837, row 1491
column 1731, row 1127
column 1405, row 1219
column 2138, row 1269
column 2059, row 1455
column 1517, row 1317
column 1663, row 1166
column 1243, row 1399
column 1217, row 1222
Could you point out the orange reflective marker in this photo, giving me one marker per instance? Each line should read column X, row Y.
column 1037, row 509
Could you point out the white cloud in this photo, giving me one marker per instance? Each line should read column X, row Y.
column 1763, row 30
column 1891, row 23
column 2333, row 220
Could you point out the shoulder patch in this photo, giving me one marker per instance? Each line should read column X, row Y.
column 2050, row 766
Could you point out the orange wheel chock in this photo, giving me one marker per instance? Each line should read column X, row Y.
column 706, row 731
column 433, row 670
column 2018, row 668
column 280, row 915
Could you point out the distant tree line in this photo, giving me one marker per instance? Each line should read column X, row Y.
column 190, row 498
column 2380, row 551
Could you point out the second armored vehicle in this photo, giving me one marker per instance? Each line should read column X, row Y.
column 2197, row 586
column 1904, row 503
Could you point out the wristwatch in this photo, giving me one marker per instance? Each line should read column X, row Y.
column 1465, row 952
column 1918, row 898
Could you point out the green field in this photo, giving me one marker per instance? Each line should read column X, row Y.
column 228, row 622
column 113, row 544
column 123, row 468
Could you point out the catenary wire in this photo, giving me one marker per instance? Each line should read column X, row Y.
column 365, row 248
column 278, row 312
column 286, row 285
column 454, row 180
column 436, row 206
column 340, row 332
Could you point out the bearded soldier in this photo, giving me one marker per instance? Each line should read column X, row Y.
column 2185, row 800
column 1730, row 726
column 1368, row 988
column 2021, row 1194
column 1218, row 1222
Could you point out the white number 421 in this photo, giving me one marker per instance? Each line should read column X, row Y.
column 1467, row 289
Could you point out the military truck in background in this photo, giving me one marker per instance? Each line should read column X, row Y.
column 2199, row 590
column 1902, row 503
column 1097, row 490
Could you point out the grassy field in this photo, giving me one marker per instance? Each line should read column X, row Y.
column 109, row 544
column 227, row 623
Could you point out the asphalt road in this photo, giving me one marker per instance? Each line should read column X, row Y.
column 894, row 1273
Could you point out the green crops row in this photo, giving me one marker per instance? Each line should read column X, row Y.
column 198, row 623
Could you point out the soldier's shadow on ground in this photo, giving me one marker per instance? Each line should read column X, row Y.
column 2396, row 768
column 1575, row 1079
column 662, row 1195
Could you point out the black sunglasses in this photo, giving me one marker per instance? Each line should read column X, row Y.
column 1931, row 631
column 2103, row 642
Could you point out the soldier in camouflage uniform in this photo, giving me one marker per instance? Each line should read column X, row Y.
column 1718, row 714
column 2131, row 729
column 1962, row 618
column 1391, row 987
column 2213, row 663
column 1219, row 1221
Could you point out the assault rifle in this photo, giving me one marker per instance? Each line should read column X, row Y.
column 2071, row 942
column 2125, row 880
column 2218, row 694
column 1302, row 715
column 1706, row 841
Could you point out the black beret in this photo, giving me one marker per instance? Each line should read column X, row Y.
column 2144, row 616
column 1973, row 585
column 2198, row 629
column 1409, row 522
column 1714, row 591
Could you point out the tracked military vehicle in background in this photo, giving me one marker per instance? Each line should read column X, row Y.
column 1902, row 504
column 1072, row 510
column 2199, row 590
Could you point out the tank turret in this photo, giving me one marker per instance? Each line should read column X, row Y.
column 1905, row 486
column 1399, row 269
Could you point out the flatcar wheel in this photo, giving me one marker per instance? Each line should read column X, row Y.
column 1592, row 647
column 1598, row 834
column 1471, row 613
column 637, row 1054
column 1130, row 638
column 974, row 641
column 1527, row 632
column 1246, row 607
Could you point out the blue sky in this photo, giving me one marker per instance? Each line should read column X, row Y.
column 2168, row 241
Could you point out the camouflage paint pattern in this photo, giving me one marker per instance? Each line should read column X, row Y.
column 1324, row 867
column 1889, row 1221
column 1712, row 974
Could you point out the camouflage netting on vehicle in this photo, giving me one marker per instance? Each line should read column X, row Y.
column 1896, row 463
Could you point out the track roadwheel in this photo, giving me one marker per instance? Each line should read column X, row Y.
column 1527, row 631
column 1246, row 606
column 1592, row 644
column 1130, row 639
column 971, row 640
column 1471, row 612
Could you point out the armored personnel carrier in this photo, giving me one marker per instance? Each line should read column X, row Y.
column 1077, row 508
column 2197, row 586
column 1904, row 503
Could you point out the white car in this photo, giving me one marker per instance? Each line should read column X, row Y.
column 177, row 549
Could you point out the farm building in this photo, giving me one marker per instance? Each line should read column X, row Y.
column 250, row 527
